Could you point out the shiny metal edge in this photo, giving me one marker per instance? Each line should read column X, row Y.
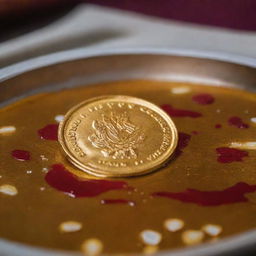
column 80, row 53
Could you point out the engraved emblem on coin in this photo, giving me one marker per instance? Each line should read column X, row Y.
column 116, row 136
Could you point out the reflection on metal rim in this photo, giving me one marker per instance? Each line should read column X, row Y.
column 80, row 53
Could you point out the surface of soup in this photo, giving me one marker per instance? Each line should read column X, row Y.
column 209, row 185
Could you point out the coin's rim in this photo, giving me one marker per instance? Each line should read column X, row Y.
column 99, row 173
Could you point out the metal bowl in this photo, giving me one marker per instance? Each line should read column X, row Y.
column 82, row 67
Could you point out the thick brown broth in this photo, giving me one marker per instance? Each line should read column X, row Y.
column 206, row 182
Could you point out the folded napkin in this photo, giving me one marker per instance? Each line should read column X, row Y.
column 92, row 26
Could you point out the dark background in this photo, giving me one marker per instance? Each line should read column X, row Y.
column 20, row 16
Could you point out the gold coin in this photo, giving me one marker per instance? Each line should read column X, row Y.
column 117, row 136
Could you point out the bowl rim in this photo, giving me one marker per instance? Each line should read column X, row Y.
column 81, row 53
column 231, row 245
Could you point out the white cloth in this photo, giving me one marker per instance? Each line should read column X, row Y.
column 94, row 26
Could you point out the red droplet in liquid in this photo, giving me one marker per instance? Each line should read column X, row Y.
column 49, row 132
column 218, row 126
column 118, row 201
column 203, row 99
column 175, row 112
column 233, row 194
column 237, row 122
column 229, row 155
column 21, row 155
column 183, row 141
column 194, row 132
column 61, row 179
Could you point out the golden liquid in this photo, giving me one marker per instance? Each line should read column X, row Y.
column 33, row 216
